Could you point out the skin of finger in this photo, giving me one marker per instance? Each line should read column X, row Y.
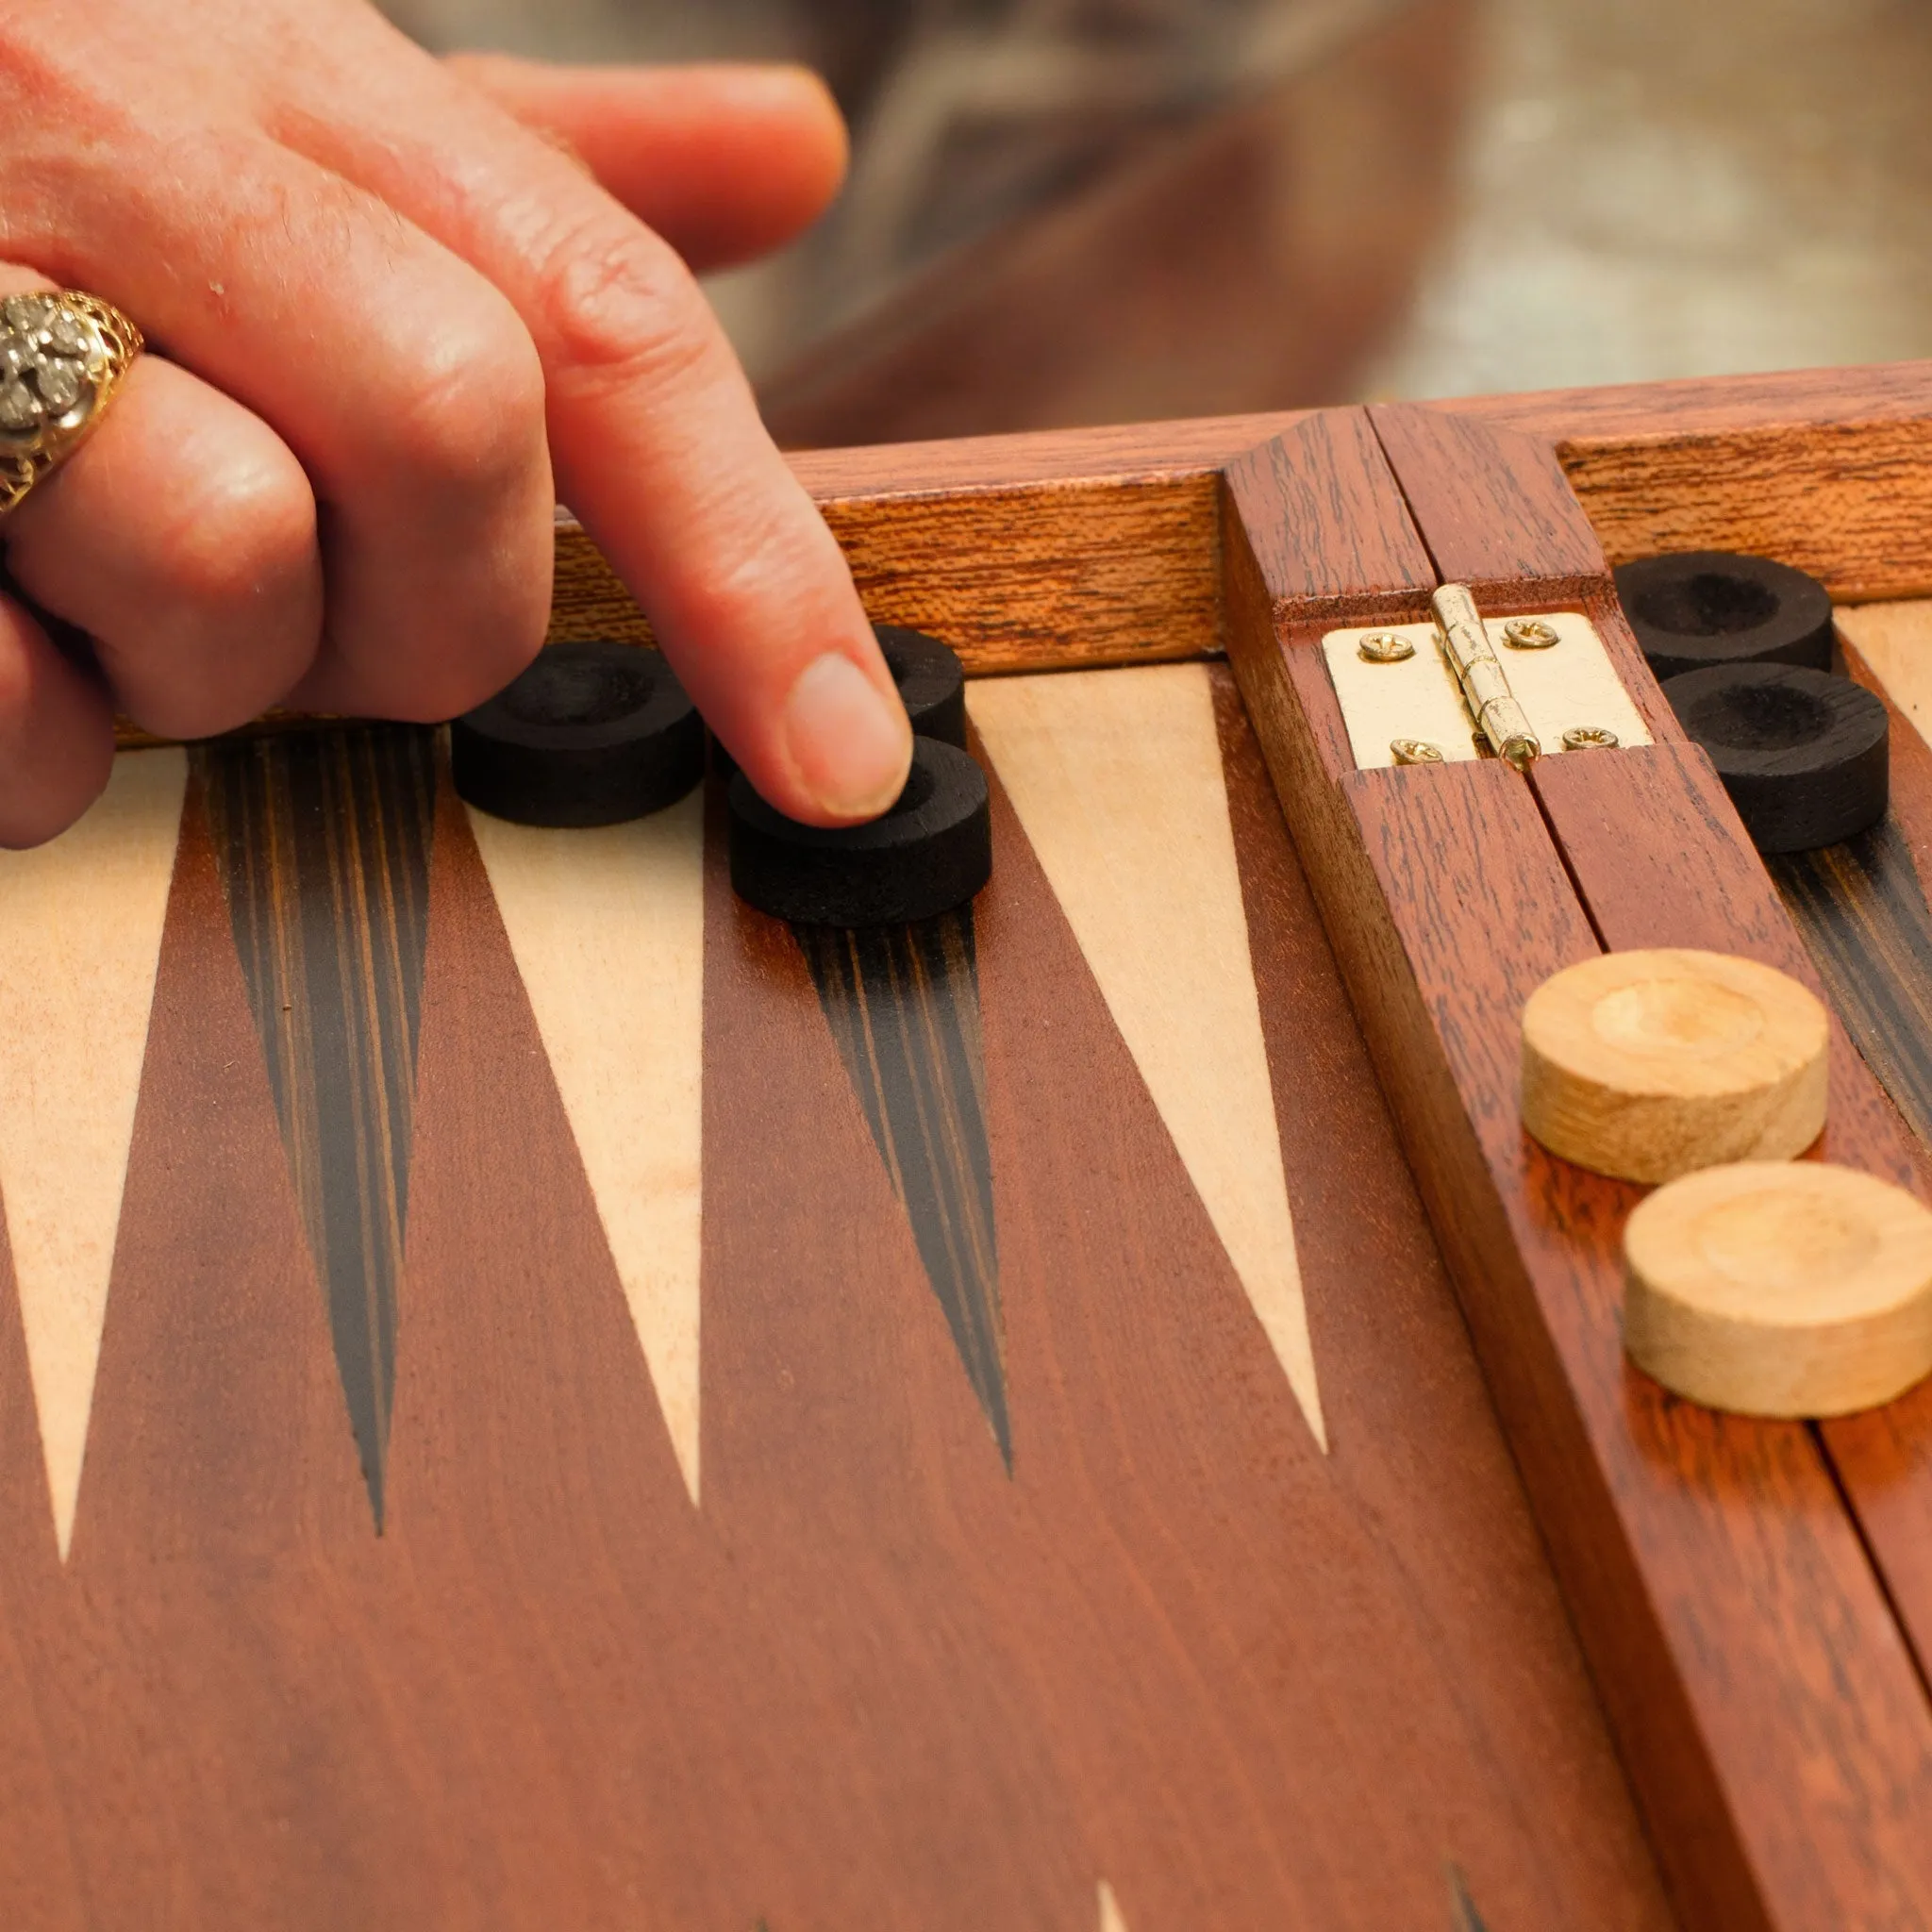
column 725, row 163
column 403, row 381
column 56, row 733
column 181, row 537
column 653, row 429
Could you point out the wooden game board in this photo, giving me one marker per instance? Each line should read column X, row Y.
column 533, row 1395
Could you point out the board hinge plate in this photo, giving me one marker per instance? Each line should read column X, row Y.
column 1460, row 686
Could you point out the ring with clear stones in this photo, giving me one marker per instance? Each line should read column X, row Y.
column 62, row 355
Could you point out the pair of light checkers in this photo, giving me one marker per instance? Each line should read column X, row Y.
column 598, row 733
column 1753, row 1281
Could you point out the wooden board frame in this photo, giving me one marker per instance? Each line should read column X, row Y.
column 1744, row 1592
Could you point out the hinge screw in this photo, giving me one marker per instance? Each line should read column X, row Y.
column 1589, row 737
column 1385, row 647
column 1529, row 634
column 1415, row 751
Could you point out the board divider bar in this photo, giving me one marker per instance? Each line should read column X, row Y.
column 1716, row 1578
column 1491, row 505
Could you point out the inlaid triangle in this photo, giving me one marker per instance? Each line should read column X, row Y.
column 1117, row 779
column 80, row 943
column 608, row 929
column 903, row 1004
column 1463, row 1916
column 321, row 842
column 1110, row 1918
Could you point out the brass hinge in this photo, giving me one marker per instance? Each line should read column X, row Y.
column 1440, row 692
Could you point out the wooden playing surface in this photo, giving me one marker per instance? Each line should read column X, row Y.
column 944, row 1537
column 535, row 1395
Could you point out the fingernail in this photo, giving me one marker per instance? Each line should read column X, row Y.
column 849, row 744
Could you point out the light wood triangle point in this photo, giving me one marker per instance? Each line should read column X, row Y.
column 81, row 945
column 608, row 929
column 1117, row 778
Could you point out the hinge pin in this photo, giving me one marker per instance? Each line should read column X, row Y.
column 1484, row 690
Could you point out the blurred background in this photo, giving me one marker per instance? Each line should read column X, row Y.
column 1073, row 211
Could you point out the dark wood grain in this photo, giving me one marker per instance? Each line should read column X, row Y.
column 903, row 1003
column 321, row 842
column 1860, row 907
column 1886, row 1455
column 222, row 1744
column 1183, row 1664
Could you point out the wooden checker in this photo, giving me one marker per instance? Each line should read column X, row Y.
column 1651, row 1063
column 533, row 1394
column 1781, row 1289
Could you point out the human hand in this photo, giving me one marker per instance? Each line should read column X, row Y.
column 392, row 295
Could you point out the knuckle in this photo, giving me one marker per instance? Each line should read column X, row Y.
column 241, row 533
column 618, row 307
column 469, row 418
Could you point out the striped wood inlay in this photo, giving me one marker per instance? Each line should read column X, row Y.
column 1861, row 905
column 903, row 1003
column 1118, row 782
column 321, row 842
column 1862, row 910
column 80, row 941
column 608, row 929
column 1463, row 1916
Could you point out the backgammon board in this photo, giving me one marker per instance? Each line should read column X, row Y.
column 532, row 1394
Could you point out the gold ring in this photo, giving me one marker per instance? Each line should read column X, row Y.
column 62, row 355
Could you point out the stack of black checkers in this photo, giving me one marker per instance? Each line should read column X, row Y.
column 1744, row 647
column 929, row 854
column 592, row 734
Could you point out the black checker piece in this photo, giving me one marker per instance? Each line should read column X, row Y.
column 592, row 734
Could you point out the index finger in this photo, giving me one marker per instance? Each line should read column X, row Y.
column 654, row 437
